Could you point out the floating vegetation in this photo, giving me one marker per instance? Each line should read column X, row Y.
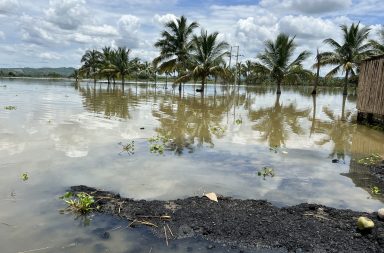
column 159, row 144
column 370, row 160
column 10, row 107
column 80, row 203
column 157, row 149
column 217, row 130
column 24, row 176
column 266, row 171
column 129, row 147
column 238, row 121
column 375, row 190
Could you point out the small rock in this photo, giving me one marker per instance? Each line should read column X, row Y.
column 364, row 223
column 210, row 246
column 335, row 160
column 380, row 213
column 142, row 128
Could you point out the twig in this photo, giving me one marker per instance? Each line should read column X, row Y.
column 9, row 225
column 34, row 250
column 169, row 229
column 166, row 238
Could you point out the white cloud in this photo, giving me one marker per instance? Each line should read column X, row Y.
column 164, row 18
column 2, row 35
column 307, row 27
column 49, row 56
column 8, row 6
column 67, row 14
column 128, row 26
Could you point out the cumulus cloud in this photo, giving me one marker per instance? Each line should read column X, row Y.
column 163, row 19
column 307, row 27
column 128, row 26
column 252, row 32
column 67, row 14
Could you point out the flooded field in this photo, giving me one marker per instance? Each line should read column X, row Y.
column 62, row 134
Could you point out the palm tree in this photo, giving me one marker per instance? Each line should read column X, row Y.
column 175, row 46
column 91, row 63
column 121, row 61
column 108, row 68
column 378, row 46
column 207, row 57
column 348, row 55
column 317, row 66
column 276, row 60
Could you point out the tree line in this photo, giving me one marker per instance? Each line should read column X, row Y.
column 201, row 57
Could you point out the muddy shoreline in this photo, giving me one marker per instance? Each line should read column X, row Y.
column 247, row 224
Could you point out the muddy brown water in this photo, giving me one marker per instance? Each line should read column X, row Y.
column 63, row 134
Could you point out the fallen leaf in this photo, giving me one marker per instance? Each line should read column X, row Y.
column 212, row 196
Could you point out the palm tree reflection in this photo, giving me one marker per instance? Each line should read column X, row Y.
column 276, row 122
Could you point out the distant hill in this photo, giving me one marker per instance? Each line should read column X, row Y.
column 37, row 72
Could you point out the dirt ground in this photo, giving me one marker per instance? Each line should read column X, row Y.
column 247, row 224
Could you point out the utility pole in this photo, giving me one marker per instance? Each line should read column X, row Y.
column 237, row 60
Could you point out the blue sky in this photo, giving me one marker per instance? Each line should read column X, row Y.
column 56, row 33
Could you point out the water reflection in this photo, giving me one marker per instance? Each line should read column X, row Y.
column 278, row 121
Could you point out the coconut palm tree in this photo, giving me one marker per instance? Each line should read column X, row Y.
column 378, row 46
column 108, row 68
column 175, row 46
column 347, row 55
column 276, row 60
column 121, row 61
column 317, row 66
column 207, row 58
column 91, row 63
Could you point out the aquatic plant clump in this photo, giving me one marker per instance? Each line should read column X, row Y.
column 266, row 171
column 80, row 202
column 370, row 160
column 159, row 144
column 10, row 107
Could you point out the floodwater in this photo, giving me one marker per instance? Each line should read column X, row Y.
column 62, row 134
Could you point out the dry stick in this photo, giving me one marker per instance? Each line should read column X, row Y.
column 34, row 250
column 166, row 238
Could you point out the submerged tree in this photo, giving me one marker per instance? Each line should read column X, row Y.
column 121, row 61
column 175, row 46
column 276, row 60
column 317, row 66
column 347, row 55
column 91, row 63
column 207, row 58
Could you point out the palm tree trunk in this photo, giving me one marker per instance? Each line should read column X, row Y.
column 343, row 108
column 122, row 80
column 166, row 80
column 345, row 91
column 109, row 80
column 202, row 84
column 278, row 87
column 314, row 91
